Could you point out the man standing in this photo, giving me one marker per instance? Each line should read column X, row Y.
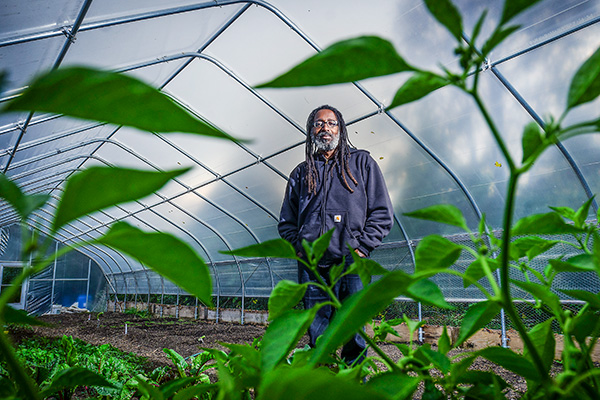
column 335, row 187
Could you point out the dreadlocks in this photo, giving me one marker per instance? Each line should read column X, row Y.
column 340, row 157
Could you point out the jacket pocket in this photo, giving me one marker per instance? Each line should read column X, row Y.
column 311, row 228
column 342, row 237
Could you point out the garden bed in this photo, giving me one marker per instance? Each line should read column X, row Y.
column 148, row 337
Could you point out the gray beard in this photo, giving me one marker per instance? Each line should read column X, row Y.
column 323, row 145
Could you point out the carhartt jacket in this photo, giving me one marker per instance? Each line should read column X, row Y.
column 361, row 218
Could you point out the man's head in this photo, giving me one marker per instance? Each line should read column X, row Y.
column 325, row 129
column 326, row 134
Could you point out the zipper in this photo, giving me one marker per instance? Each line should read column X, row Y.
column 325, row 196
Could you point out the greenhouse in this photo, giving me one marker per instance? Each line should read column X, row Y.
column 218, row 61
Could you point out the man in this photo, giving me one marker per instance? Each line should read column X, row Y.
column 335, row 187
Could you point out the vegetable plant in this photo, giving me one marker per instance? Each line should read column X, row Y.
column 46, row 359
column 275, row 368
column 118, row 99
column 511, row 255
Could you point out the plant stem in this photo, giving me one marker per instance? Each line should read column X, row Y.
column 495, row 132
column 391, row 364
column 505, row 280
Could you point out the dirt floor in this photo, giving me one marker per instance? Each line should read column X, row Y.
column 148, row 337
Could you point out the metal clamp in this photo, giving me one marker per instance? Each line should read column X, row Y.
column 65, row 30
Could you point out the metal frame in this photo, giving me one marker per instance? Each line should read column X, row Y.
column 79, row 26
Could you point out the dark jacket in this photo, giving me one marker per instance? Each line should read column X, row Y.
column 361, row 218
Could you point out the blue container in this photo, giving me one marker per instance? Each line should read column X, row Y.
column 81, row 301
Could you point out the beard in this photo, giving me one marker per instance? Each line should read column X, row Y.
column 324, row 145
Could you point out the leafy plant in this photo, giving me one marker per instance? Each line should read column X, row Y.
column 118, row 99
column 520, row 244
column 138, row 313
column 47, row 360
column 274, row 369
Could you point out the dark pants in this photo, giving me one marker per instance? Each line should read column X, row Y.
column 343, row 288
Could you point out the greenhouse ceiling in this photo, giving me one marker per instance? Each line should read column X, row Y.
column 210, row 55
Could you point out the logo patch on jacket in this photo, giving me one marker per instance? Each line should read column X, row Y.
column 337, row 218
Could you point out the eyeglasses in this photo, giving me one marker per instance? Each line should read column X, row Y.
column 320, row 123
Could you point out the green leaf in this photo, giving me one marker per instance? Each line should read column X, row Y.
column 108, row 97
column 579, row 263
column 97, row 188
column 195, row 392
column 446, row 14
column 499, row 35
column 148, row 390
column 432, row 392
column 438, row 359
column 276, row 248
column 542, row 293
column 434, row 253
column 346, row 61
column 543, row 224
column 427, row 292
column 511, row 361
column 20, row 317
column 443, row 343
column 443, row 213
column 582, row 213
column 319, row 246
column 412, row 324
column 543, row 340
column 533, row 140
column 283, row 334
column 475, row 271
column 359, row 309
column 284, row 297
column 586, row 324
column 514, row 7
column 394, row 385
column 565, row 212
column 249, row 353
column 477, row 27
column 480, row 378
column 169, row 388
column 477, row 316
column 165, row 254
column 365, row 268
column 312, row 384
column 382, row 330
column 596, row 251
column 416, row 87
column 592, row 299
column 178, row 361
column 530, row 246
column 460, row 367
column 23, row 204
column 585, row 85
column 73, row 377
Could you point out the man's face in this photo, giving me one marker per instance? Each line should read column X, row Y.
column 326, row 137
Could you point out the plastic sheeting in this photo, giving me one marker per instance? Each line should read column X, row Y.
column 208, row 56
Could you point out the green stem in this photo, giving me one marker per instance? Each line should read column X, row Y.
column 495, row 132
column 390, row 363
column 26, row 385
column 505, row 280
column 581, row 378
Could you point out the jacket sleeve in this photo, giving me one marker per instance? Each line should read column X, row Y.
column 288, row 217
column 380, row 212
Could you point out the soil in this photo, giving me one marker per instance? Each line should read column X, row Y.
column 148, row 337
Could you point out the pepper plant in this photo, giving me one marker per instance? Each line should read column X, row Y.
column 275, row 368
column 512, row 254
column 121, row 100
